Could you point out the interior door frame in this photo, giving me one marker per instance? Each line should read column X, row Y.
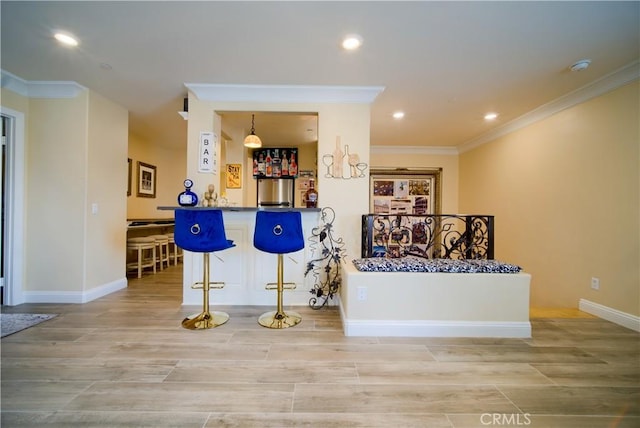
column 15, row 213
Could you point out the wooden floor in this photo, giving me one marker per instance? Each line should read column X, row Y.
column 125, row 361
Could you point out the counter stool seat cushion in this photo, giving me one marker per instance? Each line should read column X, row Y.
column 139, row 245
column 201, row 231
column 141, row 240
column 278, row 232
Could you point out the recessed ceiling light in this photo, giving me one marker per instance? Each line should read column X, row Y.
column 490, row 116
column 583, row 64
column 351, row 42
column 66, row 39
column 398, row 115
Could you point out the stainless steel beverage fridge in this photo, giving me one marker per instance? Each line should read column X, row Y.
column 275, row 192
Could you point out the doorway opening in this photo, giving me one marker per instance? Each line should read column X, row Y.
column 5, row 131
column 12, row 217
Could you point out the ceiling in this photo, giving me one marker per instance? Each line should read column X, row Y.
column 445, row 64
column 275, row 129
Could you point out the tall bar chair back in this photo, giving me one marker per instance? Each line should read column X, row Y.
column 202, row 231
column 279, row 232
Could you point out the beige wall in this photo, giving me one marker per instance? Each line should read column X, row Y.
column 106, row 187
column 56, row 157
column 170, row 174
column 72, row 148
column 565, row 193
column 14, row 101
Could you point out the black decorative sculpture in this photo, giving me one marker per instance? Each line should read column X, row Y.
column 326, row 266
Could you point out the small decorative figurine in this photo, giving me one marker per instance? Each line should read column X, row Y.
column 210, row 197
column 188, row 198
column 223, row 201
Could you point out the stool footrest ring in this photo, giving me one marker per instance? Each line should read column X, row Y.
column 285, row 286
column 200, row 285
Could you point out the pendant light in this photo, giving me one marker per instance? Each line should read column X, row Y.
column 252, row 140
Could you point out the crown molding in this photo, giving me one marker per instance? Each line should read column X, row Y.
column 414, row 150
column 13, row 83
column 285, row 93
column 39, row 89
column 614, row 80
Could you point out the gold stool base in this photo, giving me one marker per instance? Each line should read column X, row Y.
column 205, row 320
column 275, row 319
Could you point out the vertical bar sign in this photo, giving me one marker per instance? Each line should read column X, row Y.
column 207, row 156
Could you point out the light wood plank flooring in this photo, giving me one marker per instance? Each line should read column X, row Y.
column 125, row 361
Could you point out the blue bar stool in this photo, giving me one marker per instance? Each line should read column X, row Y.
column 202, row 231
column 279, row 232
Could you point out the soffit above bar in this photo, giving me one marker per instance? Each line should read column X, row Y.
column 285, row 93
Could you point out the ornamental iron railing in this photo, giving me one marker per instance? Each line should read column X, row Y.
column 442, row 236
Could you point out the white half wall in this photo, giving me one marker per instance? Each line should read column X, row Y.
column 421, row 304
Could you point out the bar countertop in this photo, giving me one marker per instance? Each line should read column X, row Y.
column 245, row 209
column 141, row 223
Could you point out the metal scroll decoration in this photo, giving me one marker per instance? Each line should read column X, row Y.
column 429, row 236
column 326, row 266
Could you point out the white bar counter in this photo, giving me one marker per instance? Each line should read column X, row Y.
column 246, row 270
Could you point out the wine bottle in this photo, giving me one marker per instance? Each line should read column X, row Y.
column 268, row 164
column 311, row 195
column 262, row 170
column 285, row 164
column 293, row 166
column 275, row 162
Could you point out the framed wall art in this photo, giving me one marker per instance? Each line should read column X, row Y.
column 234, row 176
column 404, row 191
column 129, row 176
column 146, row 180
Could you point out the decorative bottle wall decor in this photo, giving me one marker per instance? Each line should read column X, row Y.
column 343, row 164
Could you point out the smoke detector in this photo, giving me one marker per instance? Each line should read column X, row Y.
column 583, row 64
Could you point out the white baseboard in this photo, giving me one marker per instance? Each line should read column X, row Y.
column 615, row 316
column 427, row 328
column 74, row 296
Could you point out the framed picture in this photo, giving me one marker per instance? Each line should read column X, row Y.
column 129, row 177
column 405, row 191
column 234, row 176
column 146, row 180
